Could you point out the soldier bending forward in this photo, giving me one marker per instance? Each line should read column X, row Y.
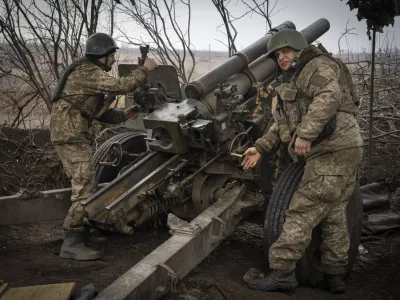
column 316, row 108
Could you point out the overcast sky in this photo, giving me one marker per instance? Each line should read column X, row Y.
column 205, row 19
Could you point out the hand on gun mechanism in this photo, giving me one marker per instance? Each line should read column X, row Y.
column 84, row 94
column 251, row 157
column 150, row 64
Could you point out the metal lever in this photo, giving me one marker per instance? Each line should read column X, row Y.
column 117, row 154
column 143, row 50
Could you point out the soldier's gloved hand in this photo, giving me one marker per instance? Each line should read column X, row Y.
column 131, row 112
column 302, row 147
column 150, row 64
column 251, row 157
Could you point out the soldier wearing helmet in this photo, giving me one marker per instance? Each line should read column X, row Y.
column 315, row 111
column 79, row 98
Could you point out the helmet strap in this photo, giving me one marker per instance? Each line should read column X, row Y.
column 106, row 67
column 296, row 59
column 95, row 59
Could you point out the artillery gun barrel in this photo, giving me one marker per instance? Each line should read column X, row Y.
column 200, row 87
column 261, row 68
column 264, row 67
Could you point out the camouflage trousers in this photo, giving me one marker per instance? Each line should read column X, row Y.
column 77, row 163
column 321, row 199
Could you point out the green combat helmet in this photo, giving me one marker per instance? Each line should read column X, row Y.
column 100, row 44
column 286, row 38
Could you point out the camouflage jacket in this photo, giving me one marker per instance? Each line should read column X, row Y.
column 86, row 88
column 321, row 92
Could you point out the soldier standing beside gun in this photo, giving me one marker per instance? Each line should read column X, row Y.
column 79, row 99
column 315, row 111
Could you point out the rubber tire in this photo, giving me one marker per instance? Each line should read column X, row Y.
column 308, row 270
column 133, row 142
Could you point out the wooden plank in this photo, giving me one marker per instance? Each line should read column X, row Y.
column 60, row 291
column 3, row 287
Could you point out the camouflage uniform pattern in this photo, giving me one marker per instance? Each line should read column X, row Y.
column 308, row 105
column 267, row 99
column 309, row 101
column 77, row 163
column 86, row 88
column 327, row 184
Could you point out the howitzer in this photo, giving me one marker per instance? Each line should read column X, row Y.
column 191, row 169
column 190, row 143
column 185, row 161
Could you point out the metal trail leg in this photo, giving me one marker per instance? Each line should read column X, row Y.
column 35, row 206
column 157, row 274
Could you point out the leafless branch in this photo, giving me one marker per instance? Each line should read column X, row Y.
column 344, row 34
column 263, row 8
column 230, row 30
column 169, row 40
column 41, row 39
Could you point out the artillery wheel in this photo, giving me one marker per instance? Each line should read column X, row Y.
column 308, row 269
column 132, row 142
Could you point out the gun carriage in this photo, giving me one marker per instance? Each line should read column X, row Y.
column 185, row 161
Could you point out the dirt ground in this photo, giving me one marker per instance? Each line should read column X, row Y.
column 29, row 252
column 29, row 256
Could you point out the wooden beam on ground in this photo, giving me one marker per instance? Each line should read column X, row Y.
column 3, row 287
column 60, row 291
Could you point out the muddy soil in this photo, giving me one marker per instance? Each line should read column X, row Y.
column 29, row 252
column 375, row 275
column 29, row 256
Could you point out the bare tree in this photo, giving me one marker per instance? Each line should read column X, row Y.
column 169, row 41
column 263, row 8
column 42, row 38
column 230, row 30
column 385, row 133
column 347, row 31
column 17, row 104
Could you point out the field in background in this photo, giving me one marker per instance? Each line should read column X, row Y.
column 39, row 117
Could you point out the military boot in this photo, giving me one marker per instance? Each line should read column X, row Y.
column 283, row 280
column 334, row 283
column 74, row 247
column 93, row 239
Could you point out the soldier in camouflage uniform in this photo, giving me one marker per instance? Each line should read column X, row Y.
column 267, row 100
column 315, row 112
column 79, row 99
